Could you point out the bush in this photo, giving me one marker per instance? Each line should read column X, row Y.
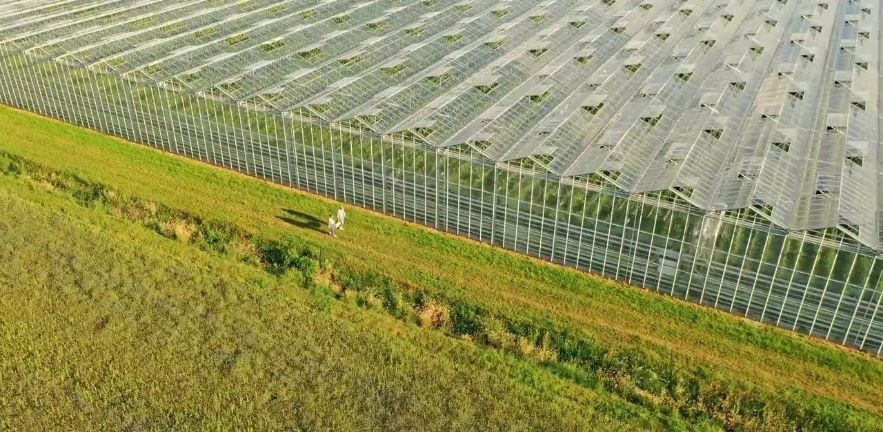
column 389, row 296
column 572, row 348
column 216, row 236
column 290, row 253
column 467, row 319
column 308, row 266
column 89, row 194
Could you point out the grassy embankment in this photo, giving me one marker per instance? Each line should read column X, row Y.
column 395, row 323
column 105, row 326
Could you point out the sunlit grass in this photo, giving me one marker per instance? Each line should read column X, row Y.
column 107, row 326
column 516, row 295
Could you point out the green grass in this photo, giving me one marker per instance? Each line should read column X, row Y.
column 108, row 326
column 118, row 323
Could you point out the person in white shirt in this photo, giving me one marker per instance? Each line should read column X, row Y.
column 332, row 226
column 341, row 217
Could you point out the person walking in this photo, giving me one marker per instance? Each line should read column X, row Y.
column 341, row 217
column 332, row 226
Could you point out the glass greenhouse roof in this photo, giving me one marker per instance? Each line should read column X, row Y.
column 765, row 104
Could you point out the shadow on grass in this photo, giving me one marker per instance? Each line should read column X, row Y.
column 301, row 220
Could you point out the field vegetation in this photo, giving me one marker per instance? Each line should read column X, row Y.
column 150, row 292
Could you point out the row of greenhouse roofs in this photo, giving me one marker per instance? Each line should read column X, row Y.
column 769, row 104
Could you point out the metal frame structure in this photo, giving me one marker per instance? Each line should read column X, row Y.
column 724, row 152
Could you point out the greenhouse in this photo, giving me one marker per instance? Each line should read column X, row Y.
column 720, row 152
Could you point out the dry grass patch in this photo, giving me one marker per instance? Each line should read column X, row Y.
column 179, row 229
column 434, row 315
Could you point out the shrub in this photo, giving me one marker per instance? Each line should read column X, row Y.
column 308, row 266
column 572, row 348
column 290, row 253
column 467, row 318
column 392, row 300
column 216, row 236
column 89, row 194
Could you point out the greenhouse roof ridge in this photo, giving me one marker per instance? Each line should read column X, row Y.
column 772, row 105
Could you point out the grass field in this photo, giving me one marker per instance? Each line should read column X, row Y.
column 108, row 326
column 147, row 291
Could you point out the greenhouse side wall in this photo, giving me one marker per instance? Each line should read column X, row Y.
column 819, row 283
